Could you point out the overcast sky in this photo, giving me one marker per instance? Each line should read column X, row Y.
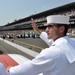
column 18, row 9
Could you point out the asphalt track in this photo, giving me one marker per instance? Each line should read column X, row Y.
column 8, row 49
column 33, row 41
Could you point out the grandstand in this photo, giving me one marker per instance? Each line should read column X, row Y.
column 24, row 25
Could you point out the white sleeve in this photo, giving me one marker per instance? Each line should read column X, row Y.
column 38, row 65
column 44, row 37
column 3, row 71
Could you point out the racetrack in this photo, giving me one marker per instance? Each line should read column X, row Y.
column 8, row 49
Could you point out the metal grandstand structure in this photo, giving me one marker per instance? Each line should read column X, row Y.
column 40, row 18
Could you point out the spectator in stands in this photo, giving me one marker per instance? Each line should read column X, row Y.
column 58, row 59
column 43, row 35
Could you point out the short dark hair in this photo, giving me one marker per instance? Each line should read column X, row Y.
column 66, row 27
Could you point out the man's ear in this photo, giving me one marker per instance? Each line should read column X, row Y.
column 62, row 29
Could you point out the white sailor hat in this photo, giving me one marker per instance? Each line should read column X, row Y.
column 58, row 19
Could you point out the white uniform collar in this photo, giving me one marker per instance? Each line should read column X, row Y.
column 68, row 47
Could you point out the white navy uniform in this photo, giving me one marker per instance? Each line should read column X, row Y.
column 55, row 60
column 44, row 37
column 3, row 71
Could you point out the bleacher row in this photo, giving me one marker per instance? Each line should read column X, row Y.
column 23, row 26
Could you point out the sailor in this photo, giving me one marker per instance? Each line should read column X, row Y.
column 58, row 59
